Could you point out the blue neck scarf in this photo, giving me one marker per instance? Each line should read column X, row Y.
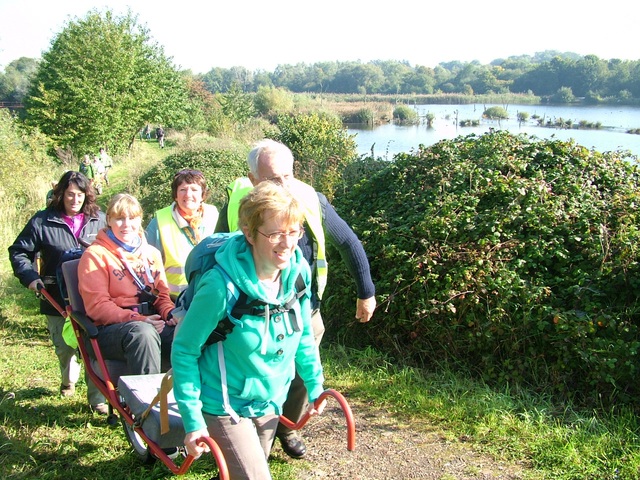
column 126, row 247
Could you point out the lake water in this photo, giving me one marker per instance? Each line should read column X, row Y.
column 389, row 139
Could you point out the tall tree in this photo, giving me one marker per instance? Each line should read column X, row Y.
column 591, row 74
column 101, row 81
column 15, row 81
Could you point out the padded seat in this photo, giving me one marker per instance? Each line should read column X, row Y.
column 116, row 368
column 138, row 392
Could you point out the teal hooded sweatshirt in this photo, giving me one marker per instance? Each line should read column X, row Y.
column 261, row 356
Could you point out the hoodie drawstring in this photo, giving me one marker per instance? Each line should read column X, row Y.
column 226, row 405
column 265, row 333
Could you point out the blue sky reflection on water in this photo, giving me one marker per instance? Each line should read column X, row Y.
column 389, row 139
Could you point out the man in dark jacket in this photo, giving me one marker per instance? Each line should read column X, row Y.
column 160, row 136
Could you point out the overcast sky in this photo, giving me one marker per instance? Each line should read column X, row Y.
column 200, row 35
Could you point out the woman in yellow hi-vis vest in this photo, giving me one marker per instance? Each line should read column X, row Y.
column 176, row 229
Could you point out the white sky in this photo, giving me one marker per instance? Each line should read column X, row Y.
column 261, row 34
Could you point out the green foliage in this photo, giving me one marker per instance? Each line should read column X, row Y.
column 523, row 117
column 25, row 175
column 220, row 167
column 469, row 123
column 100, row 82
column 364, row 167
column 321, row 147
column 362, row 115
column 495, row 113
column 429, row 118
column 15, row 81
column 531, row 77
column 405, row 114
column 271, row 102
column 237, row 105
column 563, row 95
column 515, row 257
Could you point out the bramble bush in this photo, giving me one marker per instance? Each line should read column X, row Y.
column 511, row 256
column 220, row 167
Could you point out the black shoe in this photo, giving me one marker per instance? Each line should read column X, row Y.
column 292, row 445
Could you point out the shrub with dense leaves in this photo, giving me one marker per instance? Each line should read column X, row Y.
column 405, row 114
column 515, row 257
column 495, row 113
column 321, row 146
column 220, row 167
column 272, row 101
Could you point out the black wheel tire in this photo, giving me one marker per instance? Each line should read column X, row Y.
column 140, row 448
column 112, row 419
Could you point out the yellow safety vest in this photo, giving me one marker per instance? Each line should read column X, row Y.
column 313, row 217
column 177, row 245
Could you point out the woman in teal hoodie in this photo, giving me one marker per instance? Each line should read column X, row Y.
column 233, row 390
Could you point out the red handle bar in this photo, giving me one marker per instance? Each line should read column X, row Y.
column 43, row 292
column 351, row 424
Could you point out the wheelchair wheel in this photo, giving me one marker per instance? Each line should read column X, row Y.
column 140, row 448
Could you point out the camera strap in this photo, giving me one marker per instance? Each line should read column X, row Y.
column 150, row 286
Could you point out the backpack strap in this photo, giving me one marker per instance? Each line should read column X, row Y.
column 219, row 334
column 237, row 306
column 226, row 404
column 256, row 307
column 235, row 296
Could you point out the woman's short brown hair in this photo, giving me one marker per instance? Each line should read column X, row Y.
column 268, row 199
column 189, row 176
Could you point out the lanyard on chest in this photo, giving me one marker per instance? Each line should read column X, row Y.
column 150, row 285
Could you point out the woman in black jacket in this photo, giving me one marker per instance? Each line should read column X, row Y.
column 71, row 220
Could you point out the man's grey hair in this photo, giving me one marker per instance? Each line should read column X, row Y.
column 271, row 148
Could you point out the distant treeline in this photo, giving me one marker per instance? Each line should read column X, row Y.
column 551, row 75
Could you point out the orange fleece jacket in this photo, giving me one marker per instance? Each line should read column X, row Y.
column 106, row 285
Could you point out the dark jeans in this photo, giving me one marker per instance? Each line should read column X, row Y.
column 138, row 345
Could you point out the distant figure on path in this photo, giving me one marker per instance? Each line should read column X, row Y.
column 107, row 161
column 160, row 136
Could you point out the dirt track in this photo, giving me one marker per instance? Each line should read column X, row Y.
column 388, row 448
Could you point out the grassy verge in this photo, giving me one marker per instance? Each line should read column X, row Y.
column 556, row 441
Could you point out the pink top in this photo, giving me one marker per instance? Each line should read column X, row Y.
column 75, row 223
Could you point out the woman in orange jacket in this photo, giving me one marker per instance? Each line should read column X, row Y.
column 125, row 292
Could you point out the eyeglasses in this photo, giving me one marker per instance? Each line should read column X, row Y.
column 277, row 237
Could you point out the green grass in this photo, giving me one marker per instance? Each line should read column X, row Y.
column 45, row 436
column 556, row 441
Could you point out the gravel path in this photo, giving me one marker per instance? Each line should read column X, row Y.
column 388, row 448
